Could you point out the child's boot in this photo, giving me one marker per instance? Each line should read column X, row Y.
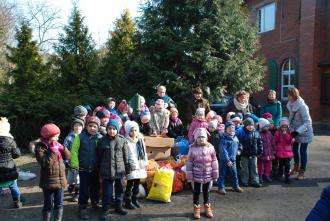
column 58, row 213
column 301, row 175
column 104, row 213
column 197, row 211
column 295, row 169
column 129, row 204
column 287, row 179
column 18, row 204
column 136, row 202
column 46, row 215
column 120, row 210
column 208, row 210
column 261, row 180
column 83, row 213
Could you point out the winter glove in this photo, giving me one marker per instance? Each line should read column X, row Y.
column 294, row 133
column 229, row 164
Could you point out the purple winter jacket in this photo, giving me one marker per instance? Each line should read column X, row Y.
column 268, row 145
column 202, row 166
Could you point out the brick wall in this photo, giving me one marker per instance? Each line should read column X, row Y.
column 302, row 31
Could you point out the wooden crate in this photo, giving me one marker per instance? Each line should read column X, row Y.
column 158, row 148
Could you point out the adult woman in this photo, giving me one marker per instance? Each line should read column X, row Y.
column 302, row 130
column 199, row 101
column 241, row 104
column 274, row 107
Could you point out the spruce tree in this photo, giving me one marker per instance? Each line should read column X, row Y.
column 77, row 59
column 118, row 57
column 191, row 43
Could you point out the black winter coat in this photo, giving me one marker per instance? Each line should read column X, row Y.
column 8, row 152
column 175, row 129
column 113, row 157
column 251, row 142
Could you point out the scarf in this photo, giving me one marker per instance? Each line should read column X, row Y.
column 55, row 147
column 174, row 119
column 140, row 149
column 240, row 106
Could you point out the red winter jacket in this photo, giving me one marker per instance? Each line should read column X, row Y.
column 283, row 144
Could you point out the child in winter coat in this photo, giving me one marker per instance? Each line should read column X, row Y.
column 110, row 105
column 251, row 149
column 8, row 152
column 229, row 148
column 265, row 161
column 202, row 168
column 113, row 166
column 104, row 116
column 283, row 141
column 215, row 135
column 138, row 161
column 84, row 159
column 145, row 128
column 159, row 119
column 80, row 112
column 73, row 176
column 198, row 122
column 175, row 127
column 50, row 155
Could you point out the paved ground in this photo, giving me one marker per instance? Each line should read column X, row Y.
column 276, row 201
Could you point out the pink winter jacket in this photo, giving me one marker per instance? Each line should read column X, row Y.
column 202, row 165
column 283, row 144
column 196, row 124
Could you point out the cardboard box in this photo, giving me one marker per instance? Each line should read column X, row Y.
column 158, row 148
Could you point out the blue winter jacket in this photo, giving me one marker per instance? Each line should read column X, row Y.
column 84, row 152
column 251, row 142
column 228, row 148
column 321, row 210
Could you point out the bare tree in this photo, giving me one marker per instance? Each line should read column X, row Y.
column 7, row 23
column 45, row 21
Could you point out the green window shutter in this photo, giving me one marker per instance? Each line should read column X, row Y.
column 297, row 73
column 272, row 75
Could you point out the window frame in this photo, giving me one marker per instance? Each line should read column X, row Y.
column 262, row 22
column 289, row 72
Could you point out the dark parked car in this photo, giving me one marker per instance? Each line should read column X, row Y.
column 219, row 106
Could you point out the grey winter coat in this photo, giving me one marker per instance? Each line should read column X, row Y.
column 300, row 120
column 113, row 157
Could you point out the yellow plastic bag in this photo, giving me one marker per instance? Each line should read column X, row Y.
column 161, row 188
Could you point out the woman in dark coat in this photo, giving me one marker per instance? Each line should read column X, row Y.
column 240, row 104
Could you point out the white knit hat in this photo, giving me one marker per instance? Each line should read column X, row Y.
column 213, row 124
column 200, row 111
column 263, row 123
column 5, row 127
column 129, row 125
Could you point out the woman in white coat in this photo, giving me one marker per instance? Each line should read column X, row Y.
column 301, row 129
column 138, row 160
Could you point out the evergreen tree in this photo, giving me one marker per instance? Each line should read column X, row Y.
column 188, row 43
column 118, row 57
column 77, row 59
column 28, row 67
column 24, row 99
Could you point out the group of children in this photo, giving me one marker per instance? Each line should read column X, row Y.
column 106, row 144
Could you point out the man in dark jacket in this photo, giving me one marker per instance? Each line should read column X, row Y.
column 114, row 165
column 251, row 148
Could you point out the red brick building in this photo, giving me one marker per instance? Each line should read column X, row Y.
column 295, row 39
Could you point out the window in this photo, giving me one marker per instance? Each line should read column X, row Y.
column 288, row 78
column 266, row 18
